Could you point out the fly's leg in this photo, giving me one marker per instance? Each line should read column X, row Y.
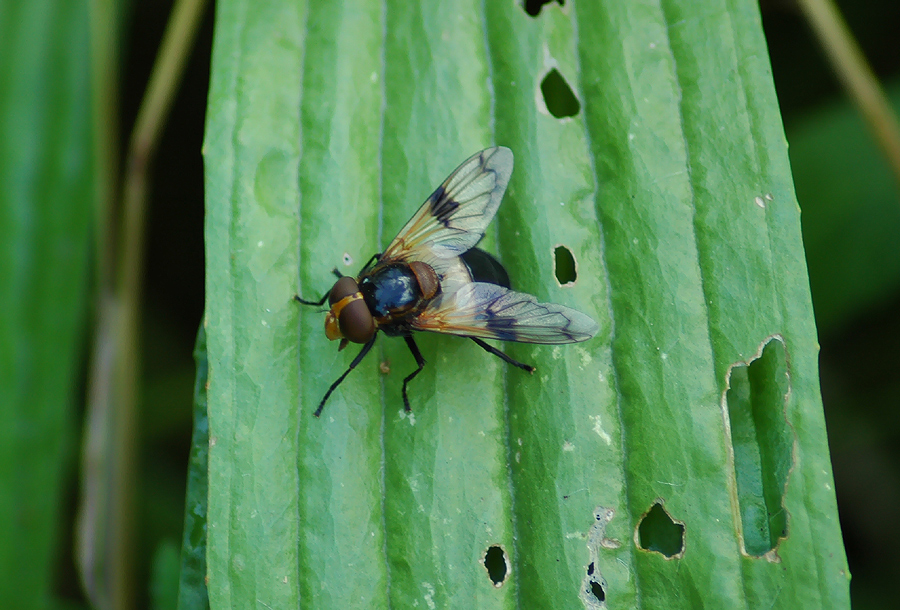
column 502, row 356
column 419, row 361
column 318, row 303
column 375, row 257
column 357, row 360
column 324, row 298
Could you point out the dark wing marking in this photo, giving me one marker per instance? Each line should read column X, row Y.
column 493, row 312
column 454, row 218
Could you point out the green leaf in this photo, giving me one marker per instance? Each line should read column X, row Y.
column 46, row 173
column 328, row 124
column 192, row 592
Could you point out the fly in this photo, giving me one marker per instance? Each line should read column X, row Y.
column 432, row 278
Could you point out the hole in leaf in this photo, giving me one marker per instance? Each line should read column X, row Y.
column 597, row 591
column 558, row 96
column 495, row 562
column 762, row 440
column 659, row 532
column 533, row 7
column 593, row 585
column 564, row 265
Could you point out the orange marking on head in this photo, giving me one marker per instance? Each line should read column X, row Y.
column 332, row 328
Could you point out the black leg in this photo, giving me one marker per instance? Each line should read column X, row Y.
column 316, row 303
column 374, row 258
column 321, row 301
column 420, row 361
column 357, row 360
column 499, row 354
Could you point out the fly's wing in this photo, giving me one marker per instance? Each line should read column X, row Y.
column 454, row 218
column 489, row 311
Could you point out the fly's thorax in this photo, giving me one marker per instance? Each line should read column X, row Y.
column 349, row 317
column 395, row 290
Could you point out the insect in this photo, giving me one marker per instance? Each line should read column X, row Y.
column 432, row 278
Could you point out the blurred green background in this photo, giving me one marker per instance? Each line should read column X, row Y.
column 851, row 221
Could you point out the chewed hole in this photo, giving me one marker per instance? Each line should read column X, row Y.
column 597, row 591
column 564, row 266
column 533, row 7
column 495, row 563
column 593, row 586
column 558, row 96
column 658, row 532
column 762, row 440
column 594, row 589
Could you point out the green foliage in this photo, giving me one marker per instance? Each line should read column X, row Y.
column 164, row 576
column 46, row 188
column 851, row 220
column 851, row 213
column 328, row 125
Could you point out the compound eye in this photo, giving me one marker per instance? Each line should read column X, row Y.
column 357, row 323
column 344, row 287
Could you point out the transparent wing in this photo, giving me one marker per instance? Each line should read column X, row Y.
column 493, row 312
column 454, row 218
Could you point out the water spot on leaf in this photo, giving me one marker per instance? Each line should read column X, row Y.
column 271, row 171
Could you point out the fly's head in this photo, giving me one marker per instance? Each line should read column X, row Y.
column 349, row 318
